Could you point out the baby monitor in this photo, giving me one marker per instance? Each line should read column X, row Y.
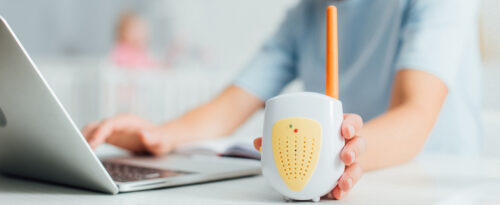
column 301, row 142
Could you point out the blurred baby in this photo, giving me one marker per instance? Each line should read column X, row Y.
column 131, row 48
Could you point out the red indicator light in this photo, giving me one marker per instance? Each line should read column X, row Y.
column 295, row 130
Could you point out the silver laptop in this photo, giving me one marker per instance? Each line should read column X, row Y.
column 38, row 140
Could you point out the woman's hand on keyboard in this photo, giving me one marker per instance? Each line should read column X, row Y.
column 128, row 132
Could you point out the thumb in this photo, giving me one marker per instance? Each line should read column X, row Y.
column 148, row 139
column 257, row 143
column 154, row 143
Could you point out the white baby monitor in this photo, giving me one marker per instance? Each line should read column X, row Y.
column 302, row 142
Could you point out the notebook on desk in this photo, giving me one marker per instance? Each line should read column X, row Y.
column 240, row 147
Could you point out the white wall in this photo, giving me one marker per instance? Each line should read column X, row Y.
column 490, row 29
column 490, row 33
column 232, row 29
column 73, row 27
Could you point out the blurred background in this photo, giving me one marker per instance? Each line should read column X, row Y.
column 160, row 58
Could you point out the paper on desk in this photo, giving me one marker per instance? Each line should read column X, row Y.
column 229, row 146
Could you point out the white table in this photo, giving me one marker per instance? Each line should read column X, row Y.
column 427, row 180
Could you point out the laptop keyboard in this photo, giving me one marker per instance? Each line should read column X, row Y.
column 126, row 173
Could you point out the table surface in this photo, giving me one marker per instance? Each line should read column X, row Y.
column 431, row 179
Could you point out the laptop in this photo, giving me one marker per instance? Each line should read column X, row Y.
column 38, row 140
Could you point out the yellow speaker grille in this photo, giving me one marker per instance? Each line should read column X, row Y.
column 296, row 145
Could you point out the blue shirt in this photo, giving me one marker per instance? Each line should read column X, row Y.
column 377, row 38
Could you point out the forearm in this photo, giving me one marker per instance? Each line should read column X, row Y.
column 399, row 134
column 218, row 118
column 395, row 136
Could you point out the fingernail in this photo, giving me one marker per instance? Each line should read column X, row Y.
column 351, row 131
column 349, row 182
column 146, row 135
column 341, row 194
column 353, row 156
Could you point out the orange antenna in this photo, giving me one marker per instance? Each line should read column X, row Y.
column 332, row 58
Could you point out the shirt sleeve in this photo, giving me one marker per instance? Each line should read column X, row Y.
column 433, row 35
column 274, row 66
